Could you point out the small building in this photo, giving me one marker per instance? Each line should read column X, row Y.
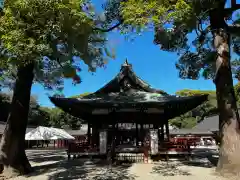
column 126, row 103
column 210, row 124
column 190, row 132
column 206, row 129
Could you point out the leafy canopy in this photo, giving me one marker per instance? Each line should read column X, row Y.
column 37, row 116
column 173, row 21
column 54, row 35
column 208, row 108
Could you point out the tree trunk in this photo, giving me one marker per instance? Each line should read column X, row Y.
column 229, row 157
column 12, row 146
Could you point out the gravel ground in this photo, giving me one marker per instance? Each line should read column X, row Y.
column 51, row 165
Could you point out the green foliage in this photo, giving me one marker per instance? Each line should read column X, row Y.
column 191, row 118
column 61, row 119
column 57, row 118
column 69, row 121
column 172, row 22
column 185, row 121
column 36, row 115
column 211, row 95
column 54, row 35
column 237, row 92
column 236, row 68
column 41, row 116
column 208, row 108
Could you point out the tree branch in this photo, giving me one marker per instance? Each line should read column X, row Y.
column 233, row 3
column 109, row 29
column 234, row 7
column 59, row 63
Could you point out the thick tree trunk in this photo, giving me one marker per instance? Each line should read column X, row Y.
column 229, row 157
column 12, row 146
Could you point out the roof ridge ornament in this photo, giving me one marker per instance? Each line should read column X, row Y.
column 126, row 62
column 126, row 65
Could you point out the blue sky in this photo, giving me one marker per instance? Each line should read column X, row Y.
column 149, row 62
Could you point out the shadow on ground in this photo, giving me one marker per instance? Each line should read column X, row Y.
column 173, row 168
column 169, row 169
column 46, row 157
column 59, row 167
column 78, row 169
column 207, row 161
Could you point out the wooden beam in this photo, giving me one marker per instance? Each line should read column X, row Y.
column 142, row 134
column 113, row 143
column 234, row 7
column 233, row 3
column 162, row 132
column 88, row 133
column 137, row 134
column 167, row 130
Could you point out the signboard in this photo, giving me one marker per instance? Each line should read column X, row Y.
column 154, row 141
column 103, row 142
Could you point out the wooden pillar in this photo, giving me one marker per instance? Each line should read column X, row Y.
column 94, row 135
column 162, row 132
column 154, row 141
column 117, row 134
column 142, row 134
column 167, row 130
column 97, row 133
column 113, row 132
column 137, row 135
column 113, row 143
column 88, row 134
column 159, row 134
column 155, row 128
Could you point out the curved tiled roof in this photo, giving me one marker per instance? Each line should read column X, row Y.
column 127, row 74
column 209, row 124
column 128, row 91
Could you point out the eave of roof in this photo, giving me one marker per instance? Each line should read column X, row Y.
column 133, row 98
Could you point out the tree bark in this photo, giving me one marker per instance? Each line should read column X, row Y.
column 229, row 157
column 13, row 157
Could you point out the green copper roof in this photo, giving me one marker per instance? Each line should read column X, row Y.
column 138, row 96
column 125, row 80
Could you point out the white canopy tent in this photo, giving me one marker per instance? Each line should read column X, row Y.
column 46, row 133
